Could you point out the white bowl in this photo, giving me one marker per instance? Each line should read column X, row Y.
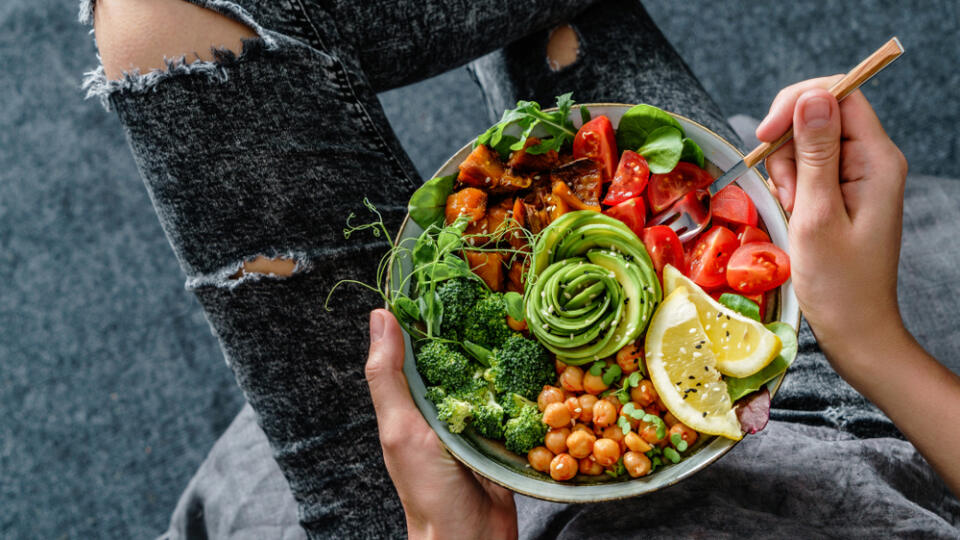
column 491, row 460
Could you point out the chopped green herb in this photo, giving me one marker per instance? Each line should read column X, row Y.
column 682, row 445
column 611, row 374
column 671, row 454
column 597, row 368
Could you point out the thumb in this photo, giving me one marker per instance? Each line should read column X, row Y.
column 816, row 126
column 384, row 369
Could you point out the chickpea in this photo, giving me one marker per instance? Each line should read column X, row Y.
column 653, row 409
column 573, row 405
column 559, row 366
column 604, row 414
column 590, row 467
column 633, row 421
column 549, row 394
column 593, row 384
column 644, row 393
column 686, row 432
column 581, row 427
column 636, row 443
column 648, row 432
column 563, row 467
column 556, row 440
column 572, row 379
column 614, row 433
column 628, row 358
column 587, row 401
column 636, row 464
column 580, row 443
column 615, row 401
column 516, row 325
column 670, row 419
column 539, row 458
column 556, row 415
column 606, row 452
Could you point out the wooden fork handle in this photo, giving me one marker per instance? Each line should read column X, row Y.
column 880, row 59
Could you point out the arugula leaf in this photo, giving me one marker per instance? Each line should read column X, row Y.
column 428, row 202
column 692, row 152
column 514, row 303
column 585, row 114
column 739, row 387
column 742, row 305
column 637, row 124
column 528, row 117
column 662, row 149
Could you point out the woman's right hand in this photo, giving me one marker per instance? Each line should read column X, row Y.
column 843, row 179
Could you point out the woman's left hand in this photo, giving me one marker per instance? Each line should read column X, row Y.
column 441, row 498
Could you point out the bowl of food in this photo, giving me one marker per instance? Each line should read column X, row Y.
column 557, row 345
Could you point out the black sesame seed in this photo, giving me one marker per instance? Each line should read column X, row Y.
column 728, row 333
column 626, row 300
column 698, row 384
column 691, row 377
column 728, row 317
column 697, row 346
column 704, row 415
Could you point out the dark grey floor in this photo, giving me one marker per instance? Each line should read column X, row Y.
column 112, row 388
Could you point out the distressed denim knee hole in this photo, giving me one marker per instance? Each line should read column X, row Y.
column 275, row 267
column 563, row 47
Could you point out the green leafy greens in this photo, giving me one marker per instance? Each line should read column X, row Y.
column 528, row 117
column 428, row 202
column 739, row 387
column 742, row 305
column 658, row 137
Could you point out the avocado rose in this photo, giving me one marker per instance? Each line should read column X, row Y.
column 592, row 287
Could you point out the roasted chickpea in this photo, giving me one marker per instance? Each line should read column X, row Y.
column 636, row 464
column 573, row 405
column 572, row 379
column 644, row 393
column 559, row 366
column 615, row 401
column 670, row 419
column 587, row 401
column 556, row 440
column 604, row 414
column 593, row 384
column 606, row 452
column 580, row 443
column 539, row 458
column 649, row 433
column 686, row 432
column 563, row 467
column 549, row 394
column 516, row 325
column 556, row 415
column 590, row 467
column 633, row 421
column 581, row 427
column 628, row 358
column 636, row 443
column 614, row 433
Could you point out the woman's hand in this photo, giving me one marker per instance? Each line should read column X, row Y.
column 441, row 498
column 843, row 178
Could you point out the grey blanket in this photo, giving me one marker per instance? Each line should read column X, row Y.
column 829, row 464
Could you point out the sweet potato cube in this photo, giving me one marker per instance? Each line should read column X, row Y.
column 584, row 178
column 525, row 161
column 489, row 266
column 471, row 202
column 482, row 168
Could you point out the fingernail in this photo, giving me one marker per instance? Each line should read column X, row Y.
column 376, row 326
column 816, row 112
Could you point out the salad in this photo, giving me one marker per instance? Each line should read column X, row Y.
column 546, row 315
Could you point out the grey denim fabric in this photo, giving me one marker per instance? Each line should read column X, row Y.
column 266, row 152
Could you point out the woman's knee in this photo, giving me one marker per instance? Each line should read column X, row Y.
column 140, row 34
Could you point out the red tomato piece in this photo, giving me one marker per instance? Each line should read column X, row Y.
column 633, row 212
column 733, row 205
column 630, row 179
column 664, row 189
column 749, row 234
column 596, row 140
column 664, row 248
column 708, row 259
column 757, row 267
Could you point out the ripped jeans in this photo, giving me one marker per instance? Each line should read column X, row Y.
column 267, row 152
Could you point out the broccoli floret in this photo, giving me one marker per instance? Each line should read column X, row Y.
column 455, row 412
column 513, row 404
column 520, row 366
column 435, row 394
column 525, row 431
column 458, row 297
column 440, row 364
column 486, row 322
column 488, row 417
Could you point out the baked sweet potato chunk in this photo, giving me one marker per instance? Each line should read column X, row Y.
column 584, row 178
column 489, row 266
column 525, row 161
column 481, row 169
column 471, row 202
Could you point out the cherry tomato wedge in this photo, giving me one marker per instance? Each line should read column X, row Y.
column 664, row 248
column 733, row 205
column 749, row 234
column 596, row 140
column 630, row 179
column 666, row 188
column 632, row 211
column 757, row 267
column 708, row 259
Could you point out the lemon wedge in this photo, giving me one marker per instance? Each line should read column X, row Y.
column 742, row 346
column 682, row 366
